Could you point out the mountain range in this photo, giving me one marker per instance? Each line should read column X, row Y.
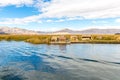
column 9, row 30
column 15, row 30
column 89, row 31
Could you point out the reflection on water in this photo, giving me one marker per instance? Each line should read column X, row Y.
column 62, row 48
column 24, row 61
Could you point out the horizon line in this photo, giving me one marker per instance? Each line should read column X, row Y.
column 80, row 29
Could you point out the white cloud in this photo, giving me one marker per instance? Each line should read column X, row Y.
column 21, row 20
column 82, row 8
column 74, row 18
column 15, row 2
column 49, row 20
column 50, row 29
column 60, row 20
column 65, row 10
column 117, row 20
column 100, row 22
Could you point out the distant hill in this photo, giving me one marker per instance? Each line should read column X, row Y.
column 9, row 30
column 65, row 30
column 101, row 31
column 2, row 33
column 91, row 31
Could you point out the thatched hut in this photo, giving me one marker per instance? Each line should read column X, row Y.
column 58, row 39
column 62, row 38
column 86, row 37
column 74, row 38
column 118, row 38
column 54, row 38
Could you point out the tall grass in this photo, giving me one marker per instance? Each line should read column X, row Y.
column 42, row 39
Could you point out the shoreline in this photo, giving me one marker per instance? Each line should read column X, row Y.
column 63, row 39
column 68, row 43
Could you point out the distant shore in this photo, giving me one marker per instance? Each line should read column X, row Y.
column 63, row 39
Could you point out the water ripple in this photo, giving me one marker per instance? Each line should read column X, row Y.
column 24, row 61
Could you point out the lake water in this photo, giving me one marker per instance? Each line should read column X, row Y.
column 25, row 61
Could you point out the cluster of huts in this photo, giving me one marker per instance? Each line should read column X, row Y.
column 71, row 39
column 74, row 38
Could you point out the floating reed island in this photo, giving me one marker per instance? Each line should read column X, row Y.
column 63, row 39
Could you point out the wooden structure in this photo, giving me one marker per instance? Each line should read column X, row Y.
column 86, row 37
column 118, row 39
column 59, row 39
column 74, row 38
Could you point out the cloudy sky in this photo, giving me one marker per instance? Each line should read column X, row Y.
column 58, row 14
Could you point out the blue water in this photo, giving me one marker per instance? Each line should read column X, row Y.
column 25, row 61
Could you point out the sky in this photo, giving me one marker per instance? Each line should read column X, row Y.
column 52, row 15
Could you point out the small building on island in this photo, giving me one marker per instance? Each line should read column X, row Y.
column 74, row 38
column 59, row 39
column 118, row 38
column 86, row 37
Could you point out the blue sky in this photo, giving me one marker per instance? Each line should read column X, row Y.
column 51, row 15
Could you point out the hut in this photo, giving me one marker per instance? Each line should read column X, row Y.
column 74, row 38
column 86, row 37
column 62, row 39
column 118, row 39
column 59, row 39
column 54, row 38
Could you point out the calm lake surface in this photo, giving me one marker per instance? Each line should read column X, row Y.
column 25, row 61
